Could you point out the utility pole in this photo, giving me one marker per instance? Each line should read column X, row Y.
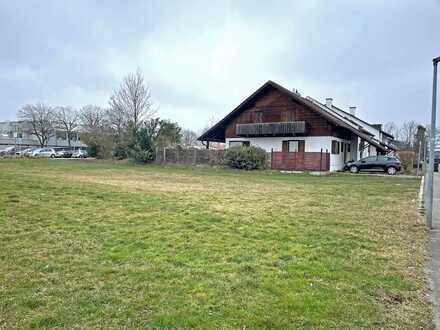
column 430, row 187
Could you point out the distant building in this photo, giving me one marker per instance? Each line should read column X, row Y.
column 19, row 133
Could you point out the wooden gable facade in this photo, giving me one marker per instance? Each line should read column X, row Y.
column 273, row 106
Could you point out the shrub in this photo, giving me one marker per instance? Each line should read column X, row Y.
column 120, row 151
column 92, row 150
column 246, row 158
column 140, row 155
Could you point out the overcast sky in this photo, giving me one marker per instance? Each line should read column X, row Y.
column 202, row 58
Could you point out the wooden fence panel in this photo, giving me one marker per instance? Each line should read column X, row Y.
column 300, row 161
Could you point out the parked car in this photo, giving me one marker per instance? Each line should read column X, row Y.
column 80, row 154
column 44, row 153
column 388, row 164
column 64, row 153
column 8, row 151
column 27, row 152
column 34, row 152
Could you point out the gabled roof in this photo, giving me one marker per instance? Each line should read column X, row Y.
column 376, row 126
column 355, row 125
column 217, row 132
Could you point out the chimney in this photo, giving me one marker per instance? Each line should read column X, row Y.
column 328, row 102
column 352, row 111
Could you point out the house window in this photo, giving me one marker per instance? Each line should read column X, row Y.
column 348, row 147
column 239, row 143
column 342, row 146
column 293, row 146
column 335, row 147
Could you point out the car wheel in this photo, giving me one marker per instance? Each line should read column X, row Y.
column 391, row 170
column 354, row 169
column 52, row 156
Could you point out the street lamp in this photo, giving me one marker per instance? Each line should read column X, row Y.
column 429, row 197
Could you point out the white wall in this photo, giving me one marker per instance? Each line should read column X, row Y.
column 311, row 144
column 337, row 161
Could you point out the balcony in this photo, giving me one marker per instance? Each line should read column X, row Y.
column 290, row 128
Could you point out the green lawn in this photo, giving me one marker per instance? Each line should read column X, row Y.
column 95, row 244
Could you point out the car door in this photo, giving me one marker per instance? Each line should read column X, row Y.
column 367, row 163
column 381, row 163
column 45, row 152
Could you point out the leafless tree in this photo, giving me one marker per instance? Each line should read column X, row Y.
column 133, row 100
column 408, row 132
column 189, row 138
column 92, row 117
column 97, row 133
column 67, row 119
column 41, row 119
column 117, row 121
column 392, row 129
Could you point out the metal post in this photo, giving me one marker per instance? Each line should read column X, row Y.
column 320, row 162
column 418, row 157
column 430, row 187
column 271, row 159
column 425, row 141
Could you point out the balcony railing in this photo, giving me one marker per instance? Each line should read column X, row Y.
column 290, row 128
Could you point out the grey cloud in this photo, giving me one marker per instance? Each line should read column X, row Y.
column 201, row 59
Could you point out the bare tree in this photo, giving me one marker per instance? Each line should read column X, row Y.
column 408, row 132
column 92, row 117
column 189, row 138
column 117, row 121
column 41, row 119
column 392, row 129
column 67, row 119
column 133, row 100
column 97, row 133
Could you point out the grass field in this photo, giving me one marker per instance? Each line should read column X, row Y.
column 94, row 244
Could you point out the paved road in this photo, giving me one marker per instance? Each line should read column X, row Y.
column 434, row 251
